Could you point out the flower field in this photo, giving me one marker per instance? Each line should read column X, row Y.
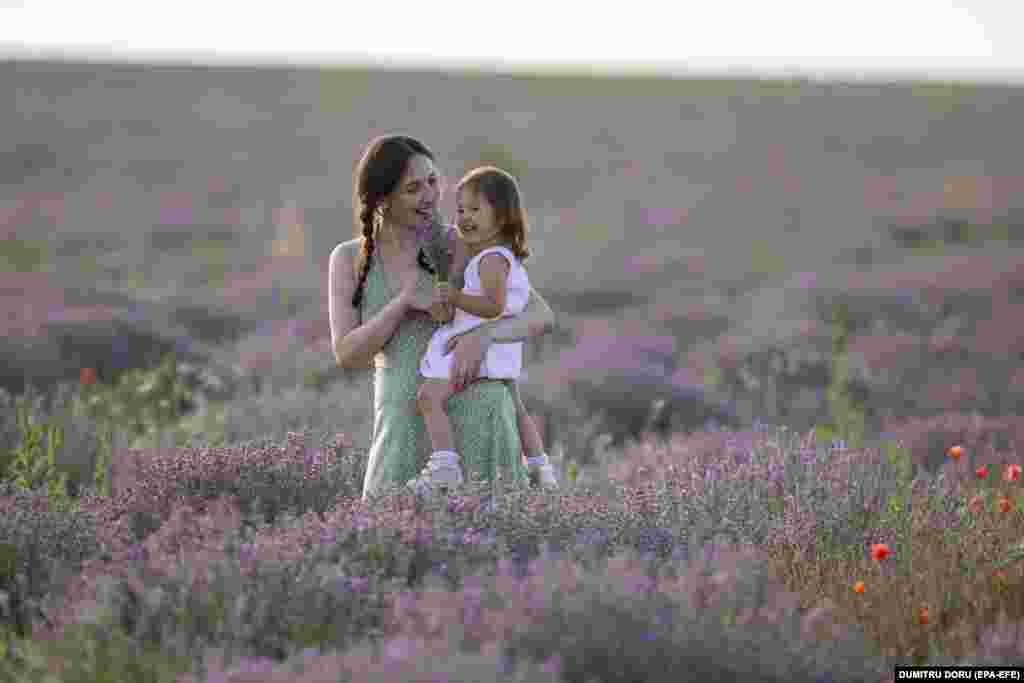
column 257, row 561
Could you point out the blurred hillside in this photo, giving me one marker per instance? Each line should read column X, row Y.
column 206, row 200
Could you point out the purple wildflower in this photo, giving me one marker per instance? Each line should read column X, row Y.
column 553, row 664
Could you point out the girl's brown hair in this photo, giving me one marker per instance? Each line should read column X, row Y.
column 377, row 174
column 502, row 192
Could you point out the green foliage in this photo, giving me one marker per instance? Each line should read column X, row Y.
column 34, row 463
column 572, row 471
column 847, row 416
column 764, row 260
column 493, row 154
column 91, row 653
column 144, row 402
column 23, row 256
column 896, row 514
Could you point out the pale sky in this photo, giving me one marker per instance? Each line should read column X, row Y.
column 902, row 38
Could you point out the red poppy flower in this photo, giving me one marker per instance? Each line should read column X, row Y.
column 976, row 504
column 1005, row 504
column 879, row 551
column 982, row 472
column 923, row 617
column 1012, row 472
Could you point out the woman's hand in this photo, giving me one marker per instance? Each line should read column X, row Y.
column 469, row 356
column 412, row 295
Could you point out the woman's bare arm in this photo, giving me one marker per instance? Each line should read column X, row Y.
column 356, row 344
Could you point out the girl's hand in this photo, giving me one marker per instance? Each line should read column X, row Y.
column 442, row 313
column 445, row 295
column 469, row 356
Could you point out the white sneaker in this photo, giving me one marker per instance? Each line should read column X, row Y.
column 543, row 473
column 441, row 472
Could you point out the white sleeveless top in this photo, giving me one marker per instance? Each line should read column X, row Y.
column 502, row 361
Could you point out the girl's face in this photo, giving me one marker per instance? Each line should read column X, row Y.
column 477, row 224
column 417, row 193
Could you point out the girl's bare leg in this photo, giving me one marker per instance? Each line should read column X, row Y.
column 432, row 400
column 528, row 432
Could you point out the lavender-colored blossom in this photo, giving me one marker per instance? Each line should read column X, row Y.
column 711, row 552
column 247, row 551
column 487, row 504
column 399, row 649
column 255, row 665
column 359, row 584
column 807, row 279
column 339, row 584
column 776, row 472
column 807, row 455
column 649, row 636
column 136, row 552
column 328, row 536
column 590, row 535
column 712, row 472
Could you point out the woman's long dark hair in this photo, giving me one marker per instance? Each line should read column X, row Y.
column 377, row 175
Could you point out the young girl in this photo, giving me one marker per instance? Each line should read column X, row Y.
column 492, row 224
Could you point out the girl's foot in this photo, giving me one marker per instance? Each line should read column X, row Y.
column 541, row 472
column 442, row 472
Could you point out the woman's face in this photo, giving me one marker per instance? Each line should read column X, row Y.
column 417, row 193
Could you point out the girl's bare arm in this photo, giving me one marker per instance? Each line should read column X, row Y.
column 536, row 319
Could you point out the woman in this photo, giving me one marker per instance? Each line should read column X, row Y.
column 383, row 314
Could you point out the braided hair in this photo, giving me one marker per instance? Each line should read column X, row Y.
column 378, row 173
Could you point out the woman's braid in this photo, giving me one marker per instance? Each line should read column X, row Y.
column 366, row 218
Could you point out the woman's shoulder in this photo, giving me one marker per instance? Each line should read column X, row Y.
column 350, row 245
column 350, row 249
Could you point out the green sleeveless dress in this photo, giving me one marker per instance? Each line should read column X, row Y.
column 482, row 416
